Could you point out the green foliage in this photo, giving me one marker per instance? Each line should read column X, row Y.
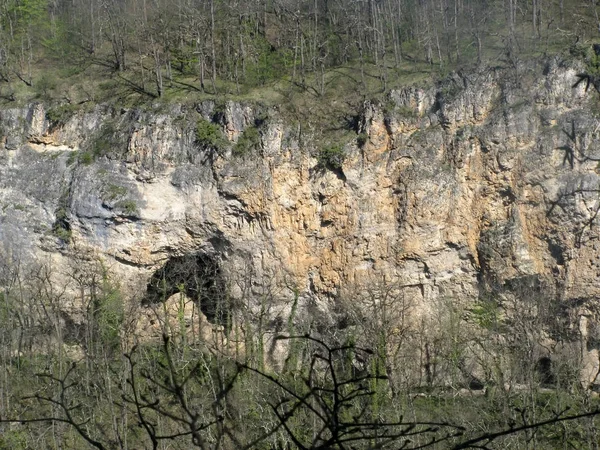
column 362, row 139
column 247, row 142
column 406, row 111
column 108, row 86
column 61, row 228
column 333, row 395
column 209, row 135
column 450, row 90
column 109, row 315
column 13, row 440
column 107, row 142
column 85, row 158
column 117, row 196
column 81, row 157
column 114, row 191
column 294, row 351
column 486, row 314
column 59, row 44
column 268, row 63
column 391, row 108
column 331, row 157
column 5, row 309
column 28, row 14
column 59, row 115
column 593, row 63
column 251, row 51
column 128, row 207
column 44, row 86
column 62, row 233
column 184, row 60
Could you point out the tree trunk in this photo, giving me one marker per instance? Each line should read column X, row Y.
column 157, row 70
column 212, row 46
column 536, row 17
column 456, row 40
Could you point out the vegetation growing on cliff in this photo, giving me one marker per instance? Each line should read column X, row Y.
column 247, row 142
column 331, row 157
column 208, row 135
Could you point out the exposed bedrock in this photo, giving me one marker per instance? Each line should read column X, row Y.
column 446, row 192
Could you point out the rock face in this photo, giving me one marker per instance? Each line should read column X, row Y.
column 445, row 192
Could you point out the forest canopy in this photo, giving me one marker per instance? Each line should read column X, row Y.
column 160, row 47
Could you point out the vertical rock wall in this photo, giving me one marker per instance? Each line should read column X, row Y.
column 445, row 192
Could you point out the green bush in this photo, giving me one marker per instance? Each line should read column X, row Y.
column 183, row 60
column 13, row 439
column 331, row 157
column 107, row 141
column 59, row 115
column 593, row 62
column 44, row 87
column 248, row 141
column 61, row 228
column 62, row 233
column 361, row 139
column 85, row 158
column 109, row 316
column 486, row 314
column 82, row 157
column 72, row 158
column 129, row 207
column 208, row 135
column 267, row 64
column 114, row 192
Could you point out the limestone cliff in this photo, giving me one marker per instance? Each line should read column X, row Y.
column 446, row 191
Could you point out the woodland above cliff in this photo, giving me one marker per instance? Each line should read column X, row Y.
column 132, row 51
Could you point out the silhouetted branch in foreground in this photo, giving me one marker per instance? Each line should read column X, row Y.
column 485, row 439
column 64, row 402
column 338, row 399
column 331, row 403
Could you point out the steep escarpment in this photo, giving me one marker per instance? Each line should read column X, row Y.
column 449, row 191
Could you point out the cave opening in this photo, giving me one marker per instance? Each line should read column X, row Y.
column 545, row 371
column 199, row 277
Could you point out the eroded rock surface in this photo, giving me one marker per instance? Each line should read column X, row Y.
column 446, row 191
